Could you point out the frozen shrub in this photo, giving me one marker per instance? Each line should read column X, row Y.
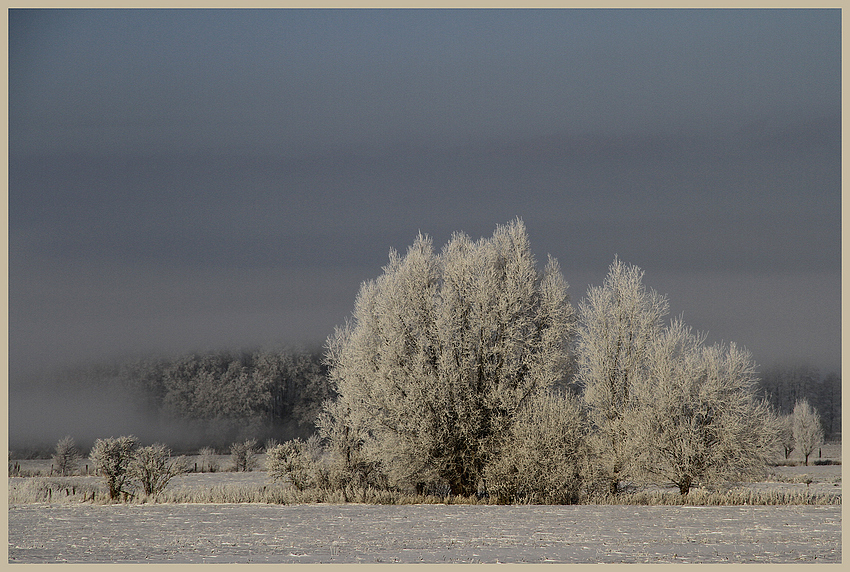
column 66, row 457
column 243, row 455
column 695, row 416
column 345, row 462
column 153, row 467
column 111, row 458
column 542, row 458
column 290, row 461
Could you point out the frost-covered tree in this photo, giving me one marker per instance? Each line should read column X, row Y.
column 243, row 455
column 808, row 432
column 66, row 456
column 542, row 459
column 786, row 434
column 829, row 404
column 209, row 459
column 153, row 467
column 695, row 416
column 617, row 323
column 442, row 351
column 111, row 458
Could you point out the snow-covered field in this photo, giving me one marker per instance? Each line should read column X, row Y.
column 71, row 531
column 242, row 533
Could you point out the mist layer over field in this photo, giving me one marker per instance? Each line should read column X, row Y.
column 39, row 418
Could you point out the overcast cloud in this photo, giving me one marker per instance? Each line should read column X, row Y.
column 181, row 180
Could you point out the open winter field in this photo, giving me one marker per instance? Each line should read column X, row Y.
column 66, row 530
column 242, row 533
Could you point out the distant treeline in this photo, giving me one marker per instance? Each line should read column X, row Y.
column 224, row 395
column 236, row 394
column 784, row 385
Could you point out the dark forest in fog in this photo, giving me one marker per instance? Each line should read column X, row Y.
column 217, row 398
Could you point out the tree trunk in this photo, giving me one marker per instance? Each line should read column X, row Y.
column 684, row 485
column 461, row 482
column 461, row 486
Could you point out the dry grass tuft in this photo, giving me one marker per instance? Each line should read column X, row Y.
column 704, row 497
column 54, row 490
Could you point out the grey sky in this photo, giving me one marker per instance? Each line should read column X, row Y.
column 189, row 179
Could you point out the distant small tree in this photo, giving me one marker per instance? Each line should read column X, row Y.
column 786, row 434
column 243, row 455
column 111, row 458
column 153, row 467
column 209, row 459
column 829, row 404
column 66, row 457
column 808, row 432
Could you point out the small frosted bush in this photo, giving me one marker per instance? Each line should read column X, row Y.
column 153, row 467
column 209, row 460
column 111, row 458
column 289, row 461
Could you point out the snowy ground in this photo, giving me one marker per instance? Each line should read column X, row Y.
column 243, row 533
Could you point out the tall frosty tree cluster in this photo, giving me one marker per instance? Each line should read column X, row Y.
column 442, row 351
column 448, row 368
